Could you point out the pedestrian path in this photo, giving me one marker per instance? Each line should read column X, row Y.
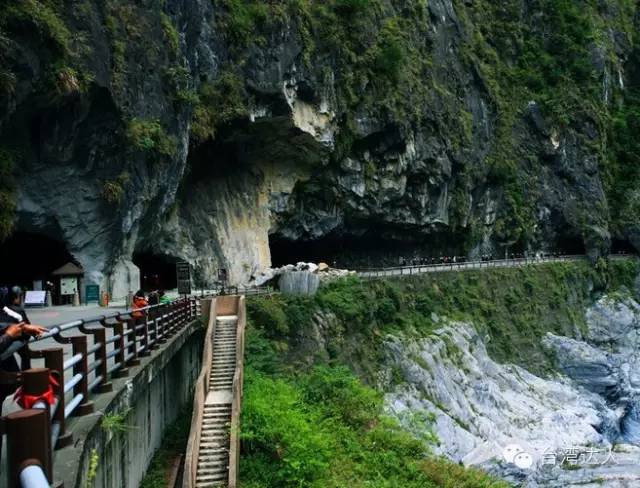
column 373, row 273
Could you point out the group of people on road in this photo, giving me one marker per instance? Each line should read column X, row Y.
column 424, row 261
column 140, row 301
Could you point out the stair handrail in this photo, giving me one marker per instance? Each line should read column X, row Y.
column 199, row 398
column 236, row 403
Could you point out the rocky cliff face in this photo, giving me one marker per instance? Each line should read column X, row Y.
column 197, row 129
column 480, row 407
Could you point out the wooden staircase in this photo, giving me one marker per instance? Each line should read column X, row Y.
column 212, row 452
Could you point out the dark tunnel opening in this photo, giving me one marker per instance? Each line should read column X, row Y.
column 367, row 251
column 30, row 258
column 571, row 245
column 621, row 246
column 157, row 272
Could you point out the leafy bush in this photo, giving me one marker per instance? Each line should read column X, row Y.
column 149, row 136
column 284, row 442
column 113, row 190
column 41, row 14
column 336, row 391
column 220, row 102
column 170, row 33
column 350, row 7
column 302, row 432
column 244, row 18
column 270, row 314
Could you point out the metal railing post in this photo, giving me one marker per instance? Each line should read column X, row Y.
column 28, row 443
column 120, row 345
column 160, row 324
column 153, row 313
column 132, row 343
column 145, row 336
column 54, row 360
column 79, row 344
column 100, row 336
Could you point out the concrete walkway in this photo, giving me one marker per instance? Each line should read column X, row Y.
column 470, row 265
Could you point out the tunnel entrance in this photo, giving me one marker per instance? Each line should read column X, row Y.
column 157, row 272
column 620, row 246
column 367, row 251
column 571, row 245
column 30, row 258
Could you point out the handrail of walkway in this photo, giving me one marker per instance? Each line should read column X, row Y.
column 199, row 395
column 467, row 265
column 236, row 403
column 95, row 360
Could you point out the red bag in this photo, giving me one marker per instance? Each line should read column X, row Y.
column 49, row 396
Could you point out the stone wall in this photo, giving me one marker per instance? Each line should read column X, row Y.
column 149, row 400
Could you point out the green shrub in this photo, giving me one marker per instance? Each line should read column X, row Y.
column 445, row 474
column 284, row 441
column 41, row 14
column 336, row 390
column 244, row 18
column 324, row 428
column 170, row 33
column 149, row 136
column 113, row 190
column 179, row 80
column 220, row 102
column 350, row 7
column 270, row 314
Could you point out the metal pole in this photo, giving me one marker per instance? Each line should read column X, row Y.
column 28, row 443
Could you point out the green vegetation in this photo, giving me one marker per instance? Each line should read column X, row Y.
column 170, row 33
column 173, row 445
column 113, row 190
column 150, row 136
column 623, row 165
column 116, row 422
column 513, row 307
column 220, row 102
column 179, row 80
column 545, row 56
column 308, row 421
column 92, row 471
column 325, row 428
column 43, row 16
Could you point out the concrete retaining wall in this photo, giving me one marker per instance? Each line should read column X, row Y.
column 150, row 399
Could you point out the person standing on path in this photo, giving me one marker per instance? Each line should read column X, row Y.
column 139, row 301
column 15, row 327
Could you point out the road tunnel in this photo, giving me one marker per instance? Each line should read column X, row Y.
column 29, row 258
column 157, row 271
column 372, row 249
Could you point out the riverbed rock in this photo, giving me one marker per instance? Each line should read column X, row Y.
column 480, row 407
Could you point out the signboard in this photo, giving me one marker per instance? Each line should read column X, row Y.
column 35, row 298
column 68, row 286
column 92, row 294
column 183, row 273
